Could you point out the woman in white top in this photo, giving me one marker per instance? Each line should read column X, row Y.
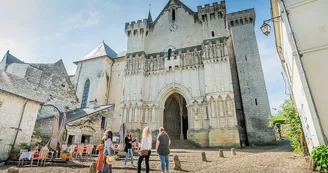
column 108, row 137
column 146, row 143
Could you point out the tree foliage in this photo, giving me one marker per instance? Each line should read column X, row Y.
column 290, row 116
column 320, row 157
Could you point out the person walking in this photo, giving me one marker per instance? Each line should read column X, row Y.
column 100, row 158
column 128, row 148
column 145, row 150
column 108, row 150
column 163, row 149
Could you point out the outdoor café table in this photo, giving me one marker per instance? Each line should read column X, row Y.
column 26, row 155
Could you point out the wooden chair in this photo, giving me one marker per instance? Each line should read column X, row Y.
column 89, row 150
column 43, row 157
column 80, row 149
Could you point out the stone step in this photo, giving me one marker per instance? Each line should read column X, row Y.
column 182, row 144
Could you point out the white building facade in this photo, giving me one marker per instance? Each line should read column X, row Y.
column 302, row 44
column 198, row 74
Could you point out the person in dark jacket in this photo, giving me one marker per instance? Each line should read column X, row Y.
column 128, row 148
column 163, row 149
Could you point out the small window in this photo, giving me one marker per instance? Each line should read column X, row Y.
column 251, row 19
column 170, row 67
column 103, row 121
column 213, row 34
column 245, row 57
column 85, row 94
column 231, row 23
column 63, row 85
column 169, row 53
column 204, row 17
column 241, row 21
column 173, row 14
column 70, row 140
column 255, row 101
column 212, row 16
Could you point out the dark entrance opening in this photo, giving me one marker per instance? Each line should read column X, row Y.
column 70, row 139
column 176, row 117
column 85, row 139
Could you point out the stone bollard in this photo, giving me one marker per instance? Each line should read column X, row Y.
column 233, row 152
column 93, row 168
column 177, row 163
column 13, row 170
column 221, row 153
column 204, row 157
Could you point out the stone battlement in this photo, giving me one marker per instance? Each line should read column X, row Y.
column 241, row 17
column 210, row 9
column 135, row 25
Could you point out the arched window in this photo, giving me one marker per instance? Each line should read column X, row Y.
column 169, row 53
column 173, row 14
column 85, row 94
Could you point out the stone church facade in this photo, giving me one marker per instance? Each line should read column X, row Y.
column 198, row 74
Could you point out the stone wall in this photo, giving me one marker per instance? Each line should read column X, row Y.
column 252, row 85
column 11, row 111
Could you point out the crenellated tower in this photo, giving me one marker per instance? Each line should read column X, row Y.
column 213, row 19
column 136, row 31
column 253, row 91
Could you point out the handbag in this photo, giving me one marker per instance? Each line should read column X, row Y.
column 144, row 153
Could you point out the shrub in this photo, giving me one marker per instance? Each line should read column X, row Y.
column 320, row 158
column 289, row 115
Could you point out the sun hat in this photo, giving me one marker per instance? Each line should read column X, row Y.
column 110, row 160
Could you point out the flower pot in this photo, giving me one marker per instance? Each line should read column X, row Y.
column 66, row 156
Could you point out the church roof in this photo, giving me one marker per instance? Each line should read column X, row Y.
column 9, row 59
column 20, row 87
column 150, row 19
column 178, row 2
column 102, row 50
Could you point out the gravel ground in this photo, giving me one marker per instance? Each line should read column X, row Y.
column 266, row 159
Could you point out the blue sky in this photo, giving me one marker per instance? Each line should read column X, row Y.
column 46, row 31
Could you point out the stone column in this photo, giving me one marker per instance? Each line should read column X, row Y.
column 160, row 118
column 130, row 114
column 122, row 115
column 181, row 124
column 136, row 114
column 139, row 117
column 125, row 114
column 146, row 115
column 154, row 115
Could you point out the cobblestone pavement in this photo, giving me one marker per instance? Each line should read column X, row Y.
column 266, row 159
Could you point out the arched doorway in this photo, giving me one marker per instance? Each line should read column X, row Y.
column 176, row 117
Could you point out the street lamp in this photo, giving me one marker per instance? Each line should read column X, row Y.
column 266, row 28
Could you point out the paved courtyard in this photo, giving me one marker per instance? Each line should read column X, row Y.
column 270, row 159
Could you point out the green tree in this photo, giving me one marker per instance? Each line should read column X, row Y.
column 295, row 130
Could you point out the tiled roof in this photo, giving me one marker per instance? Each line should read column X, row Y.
column 19, row 86
column 101, row 50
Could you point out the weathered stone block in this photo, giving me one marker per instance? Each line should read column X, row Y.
column 224, row 137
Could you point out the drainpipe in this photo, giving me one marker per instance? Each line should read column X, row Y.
column 303, row 75
column 19, row 125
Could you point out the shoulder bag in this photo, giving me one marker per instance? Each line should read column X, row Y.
column 144, row 152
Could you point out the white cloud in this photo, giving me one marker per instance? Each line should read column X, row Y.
column 85, row 19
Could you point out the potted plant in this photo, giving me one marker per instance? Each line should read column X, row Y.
column 14, row 154
column 66, row 154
